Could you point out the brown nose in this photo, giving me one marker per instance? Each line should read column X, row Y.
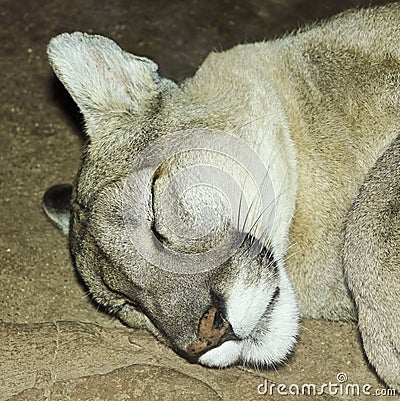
column 213, row 331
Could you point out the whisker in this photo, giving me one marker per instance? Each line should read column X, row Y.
column 306, row 329
column 267, row 175
column 246, row 124
column 86, row 295
column 247, row 214
column 240, row 208
column 255, row 225
column 291, row 245
column 263, row 237
column 260, row 215
column 288, row 257
column 236, row 130
column 253, row 202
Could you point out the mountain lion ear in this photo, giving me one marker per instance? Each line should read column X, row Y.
column 100, row 76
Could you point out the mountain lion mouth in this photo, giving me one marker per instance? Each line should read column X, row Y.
column 212, row 335
column 265, row 320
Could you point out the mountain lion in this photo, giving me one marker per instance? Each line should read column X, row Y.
column 214, row 212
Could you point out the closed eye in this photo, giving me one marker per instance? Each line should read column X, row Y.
column 153, row 227
column 159, row 236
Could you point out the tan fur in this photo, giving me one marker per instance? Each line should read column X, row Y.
column 371, row 262
column 318, row 107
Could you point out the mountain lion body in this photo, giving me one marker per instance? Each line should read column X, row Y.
column 317, row 109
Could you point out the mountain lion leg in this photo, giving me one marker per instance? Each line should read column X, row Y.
column 372, row 264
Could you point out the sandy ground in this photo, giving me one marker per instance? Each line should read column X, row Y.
column 54, row 343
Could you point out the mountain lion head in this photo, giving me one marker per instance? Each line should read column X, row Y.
column 177, row 221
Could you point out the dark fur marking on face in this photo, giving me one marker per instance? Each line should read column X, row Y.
column 266, row 317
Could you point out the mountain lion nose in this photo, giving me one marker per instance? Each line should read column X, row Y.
column 214, row 329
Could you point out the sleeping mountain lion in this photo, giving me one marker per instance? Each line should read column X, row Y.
column 218, row 211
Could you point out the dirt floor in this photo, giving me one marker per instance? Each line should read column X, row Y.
column 54, row 342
